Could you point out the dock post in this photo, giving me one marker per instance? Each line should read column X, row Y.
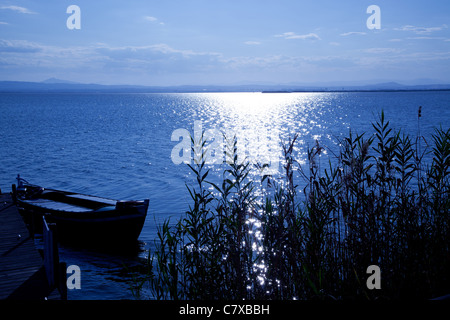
column 51, row 262
column 14, row 194
column 55, row 270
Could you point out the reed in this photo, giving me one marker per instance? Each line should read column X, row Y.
column 317, row 228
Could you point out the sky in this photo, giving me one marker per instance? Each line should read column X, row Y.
column 225, row 42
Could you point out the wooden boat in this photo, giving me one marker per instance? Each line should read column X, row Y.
column 79, row 218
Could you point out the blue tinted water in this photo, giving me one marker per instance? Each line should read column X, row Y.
column 119, row 146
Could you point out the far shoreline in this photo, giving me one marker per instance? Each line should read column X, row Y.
column 212, row 91
column 67, row 87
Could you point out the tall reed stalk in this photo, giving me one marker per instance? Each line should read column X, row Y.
column 375, row 203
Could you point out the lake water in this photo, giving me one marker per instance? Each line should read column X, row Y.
column 121, row 146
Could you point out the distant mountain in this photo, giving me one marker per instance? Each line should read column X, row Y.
column 385, row 85
column 57, row 85
column 63, row 86
column 423, row 82
column 55, row 80
column 398, row 86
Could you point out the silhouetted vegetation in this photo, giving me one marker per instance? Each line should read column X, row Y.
column 377, row 202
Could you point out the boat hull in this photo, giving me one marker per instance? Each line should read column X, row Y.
column 82, row 219
column 111, row 231
column 115, row 227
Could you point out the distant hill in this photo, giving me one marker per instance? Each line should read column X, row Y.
column 63, row 86
column 55, row 80
column 57, row 85
column 386, row 85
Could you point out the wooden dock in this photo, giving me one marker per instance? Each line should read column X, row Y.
column 22, row 273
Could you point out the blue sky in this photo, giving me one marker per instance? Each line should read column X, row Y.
column 175, row 42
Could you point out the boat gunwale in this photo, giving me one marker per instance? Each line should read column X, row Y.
column 92, row 204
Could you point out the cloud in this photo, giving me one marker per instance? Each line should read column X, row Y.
column 19, row 46
column 252, row 43
column 427, row 38
column 165, row 64
column 138, row 51
column 157, row 58
column 22, row 54
column 153, row 19
column 421, row 30
column 293, row 35
column 100, row 55
column 382, row 50
column 352, row 33
column 18, row 9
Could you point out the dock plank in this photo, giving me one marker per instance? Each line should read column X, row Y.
column 21, row 275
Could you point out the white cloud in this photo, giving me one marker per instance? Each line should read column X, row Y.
column 421, row 30
column 153, row 19
column 19, row 46
column 157, row 58
column 293, row 35
column 18, row 9
column 382, row 50
column 157, row 63
column 252, row 43
column 427, row 38
column 352, row 33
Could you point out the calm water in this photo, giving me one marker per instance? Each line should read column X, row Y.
column 120, row 146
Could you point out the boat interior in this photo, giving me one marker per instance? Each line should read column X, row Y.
column 77, row 200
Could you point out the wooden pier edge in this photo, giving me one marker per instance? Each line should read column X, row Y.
column 22, row 270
